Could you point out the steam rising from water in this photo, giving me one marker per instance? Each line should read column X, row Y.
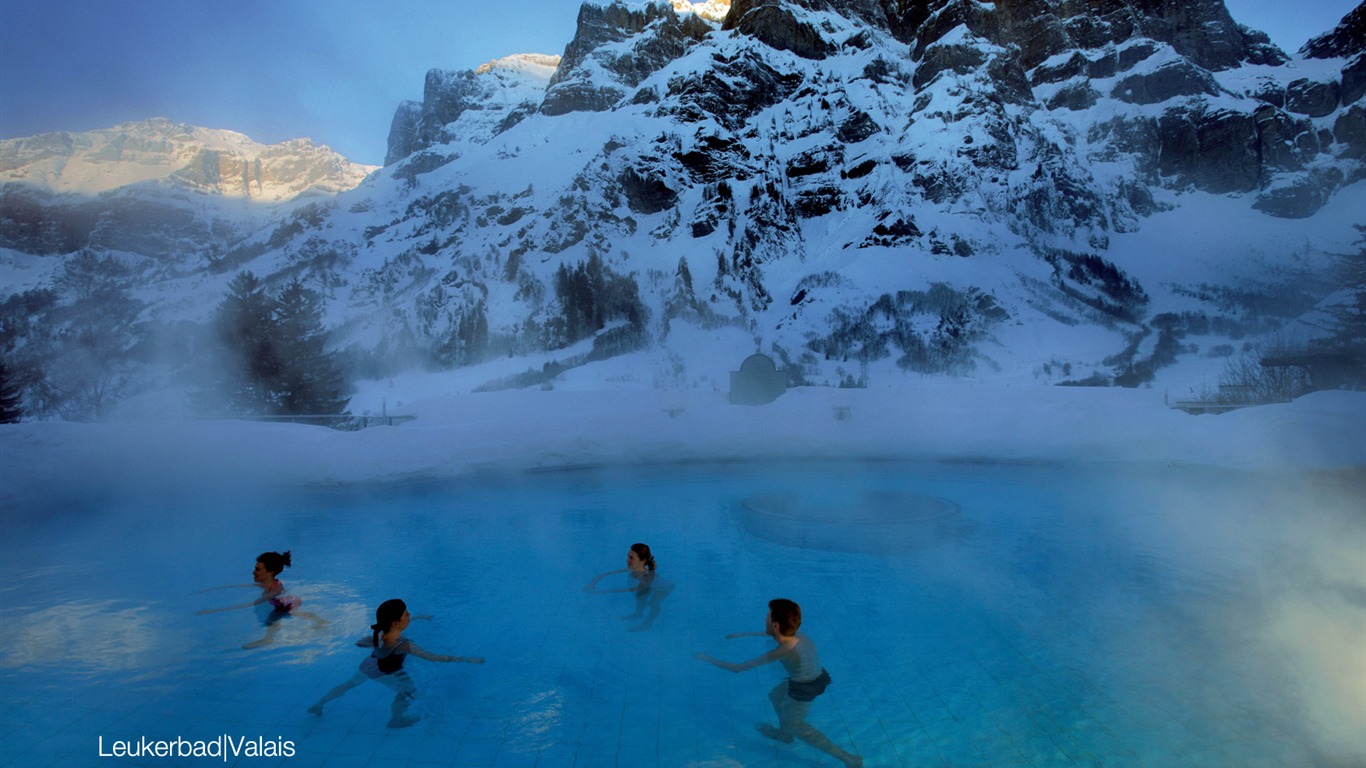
column 1144, row 608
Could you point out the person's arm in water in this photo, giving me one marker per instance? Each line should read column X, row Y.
column 226, row 586
column 422, row 653
column 758, row 661
column 592, row 585
column 643, row 584
column 734, row 635
column 266, row 595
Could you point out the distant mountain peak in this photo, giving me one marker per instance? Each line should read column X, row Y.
column 157, row 150
column 540, row 64
column 711, row 10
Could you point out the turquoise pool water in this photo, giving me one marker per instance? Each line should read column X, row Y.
column 969, row 614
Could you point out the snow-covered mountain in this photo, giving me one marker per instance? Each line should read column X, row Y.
column 1029, row 189
column 204, row 160
column 171, row 199
column 928, row 183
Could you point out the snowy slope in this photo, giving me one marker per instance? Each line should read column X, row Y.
column 957, row 191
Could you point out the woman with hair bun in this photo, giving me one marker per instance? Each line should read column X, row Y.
column 385, row 663
column 649, row 590
column 265, row 576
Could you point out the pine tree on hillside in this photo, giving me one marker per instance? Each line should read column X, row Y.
column 1349, row 335
column 309, row 381
column 243, row 324
column 11, row 409
column 93, row 366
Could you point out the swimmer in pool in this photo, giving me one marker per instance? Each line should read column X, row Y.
column 385, row 662
column 649, row 590
column 806, row 680
column 265, row 576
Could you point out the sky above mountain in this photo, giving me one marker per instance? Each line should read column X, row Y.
column 333, row 72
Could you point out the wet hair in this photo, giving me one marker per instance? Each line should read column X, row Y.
column 787, row 614
column 389, row 613
column 274, row 561
column 643, row 552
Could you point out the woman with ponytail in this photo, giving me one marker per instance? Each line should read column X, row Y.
column 649, row 590
column 385, row 662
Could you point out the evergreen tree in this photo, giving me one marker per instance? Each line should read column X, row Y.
column 308, row 381
column 244, row 322
column 11, row 410
column 1349, row 335
column 92, row 365
column 591, row 295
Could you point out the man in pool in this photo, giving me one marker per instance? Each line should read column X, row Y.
column 806, row 680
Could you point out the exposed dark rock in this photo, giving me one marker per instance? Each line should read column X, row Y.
column 1056, row 200
column 775, row 24
column 937, row 184
column 872, row 13
column 859, row 171
column 580, row 97
column 1354, row 80
column 857, row 127
column 1139, row 138
column 1298, row 196
column 1074, row 96
column 1200, row 30
column 892, row 231
column 1131, row 55
column 819, row 201
column 716, row 159
column 1307, row 97
column 646, row 194
column 979, row 21
column 657, row 35
column 1032, row 27
column 730, row 92
column 905, row 18
column 1277, row 137
column 1009, row 78
column 517, row 115
column 448, row 96
column 810, row 162
column 1203, row 32
column 1166, row 82
column 1214, row 150
column 1349, row 131
column 403, row 132
column 1348, row 38
column 1074, row 66
column 420, row 162
column 1270, row 92
column 959, row 59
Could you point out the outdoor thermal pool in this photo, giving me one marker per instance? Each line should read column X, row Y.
column 969, row 615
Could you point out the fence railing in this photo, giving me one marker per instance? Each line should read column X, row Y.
column 344, row 421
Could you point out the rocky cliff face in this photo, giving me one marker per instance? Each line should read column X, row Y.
column 911, row 183
column 178, row 196
column 178, row 156
column 473, row 105
column 942, row 128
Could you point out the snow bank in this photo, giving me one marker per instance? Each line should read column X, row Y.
column 461, row 434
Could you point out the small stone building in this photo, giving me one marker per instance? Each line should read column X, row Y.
column 758, row 382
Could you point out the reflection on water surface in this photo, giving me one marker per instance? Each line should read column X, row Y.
column 969, row 615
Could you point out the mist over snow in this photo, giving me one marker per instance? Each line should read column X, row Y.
column 933, row 217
